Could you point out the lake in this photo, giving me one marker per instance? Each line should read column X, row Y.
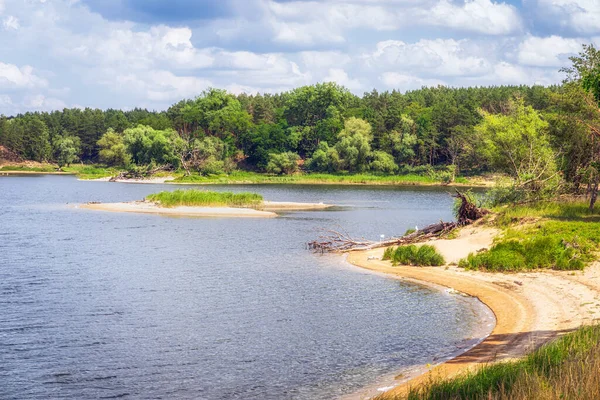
column 108, row 305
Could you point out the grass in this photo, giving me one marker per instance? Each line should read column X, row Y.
column 82, row 171
column 421, row 256
column 554, row 235
column 352, row 179
column 201, row 198
column 567, row 368
column 91, row 171
column 25, row 168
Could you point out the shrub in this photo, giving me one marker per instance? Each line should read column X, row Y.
column 383, row 163
column 283, row 163
column 424, row 255
column 542, row 251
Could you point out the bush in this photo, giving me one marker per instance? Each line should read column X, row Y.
column 213, row 167
column 283, row 163
column 383, row 162
column 536, row 252
column 424, row 255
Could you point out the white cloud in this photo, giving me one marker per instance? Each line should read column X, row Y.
column 11, row 23
column 5, row 100
column 39, row 102
column 312, row 22
column 440, row 57
column 400, row 81
column 551, row 51
column 579, row 15
column 339, row 76
column 11, row 76
column 482, row 16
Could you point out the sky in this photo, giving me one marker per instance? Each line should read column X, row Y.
column 153, row 53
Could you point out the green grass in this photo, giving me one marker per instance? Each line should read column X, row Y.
column 424, row 255
column 554, row 235
column 566, row 368
column 557, row 210
column 24, row 168
column 91, row 171
column 206, row 199
column 352, row 179
column 82, row 171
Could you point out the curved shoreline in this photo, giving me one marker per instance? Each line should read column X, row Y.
column 530, row 308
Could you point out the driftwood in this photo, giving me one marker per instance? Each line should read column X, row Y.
column 137, row 174
column 467, row 211
column 335, row 241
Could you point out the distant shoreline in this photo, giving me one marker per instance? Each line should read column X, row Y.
column 530, row 308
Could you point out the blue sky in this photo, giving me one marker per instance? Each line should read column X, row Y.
column 152, row 53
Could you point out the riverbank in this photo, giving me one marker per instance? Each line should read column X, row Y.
column 530, row 308
column 102, row 174
column 265, row 210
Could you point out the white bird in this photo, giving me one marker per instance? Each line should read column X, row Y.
column 416, row 228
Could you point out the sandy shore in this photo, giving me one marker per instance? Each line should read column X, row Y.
column 292, row 206
column 530, row 308
column 159, row 179
column 184, row 211
column 264, row 211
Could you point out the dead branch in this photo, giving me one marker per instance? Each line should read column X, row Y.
column 335, row 241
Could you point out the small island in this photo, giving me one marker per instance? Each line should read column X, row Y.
column 200, row 203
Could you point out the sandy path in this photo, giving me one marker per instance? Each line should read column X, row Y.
column 530, row 308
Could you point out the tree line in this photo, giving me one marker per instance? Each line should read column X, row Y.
column 534, row 134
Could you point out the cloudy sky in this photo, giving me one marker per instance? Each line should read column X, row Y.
column 152, row 53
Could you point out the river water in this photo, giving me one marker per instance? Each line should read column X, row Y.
column 109, row 305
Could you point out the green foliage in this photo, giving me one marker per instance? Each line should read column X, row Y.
column 383, row 162
column 66, row 149
column 424, row 255
column 201, row 198
column 112, row 149
column 565, row 368
column 517, row 144
column 324, row 159
column 354, row 146
column 147, row 145
column 283, row 163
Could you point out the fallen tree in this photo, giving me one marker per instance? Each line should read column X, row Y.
column 335, row 241
column 139, row 173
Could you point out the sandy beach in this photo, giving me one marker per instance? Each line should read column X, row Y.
column 266, row 210
column 530, row 308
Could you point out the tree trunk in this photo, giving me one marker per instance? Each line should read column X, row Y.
column 593, row 193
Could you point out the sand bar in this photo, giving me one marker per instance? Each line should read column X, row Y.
column 530, row 308
column 266, row 210
column 184, row 211
column 292, row 206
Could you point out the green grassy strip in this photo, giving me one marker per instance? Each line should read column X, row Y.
column 539, row 375
column 253, row 177
column 561, row 236
column 23, row 168
column 205, row 199
column 421, row 256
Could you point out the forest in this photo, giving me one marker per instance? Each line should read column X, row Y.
column 543, row 139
